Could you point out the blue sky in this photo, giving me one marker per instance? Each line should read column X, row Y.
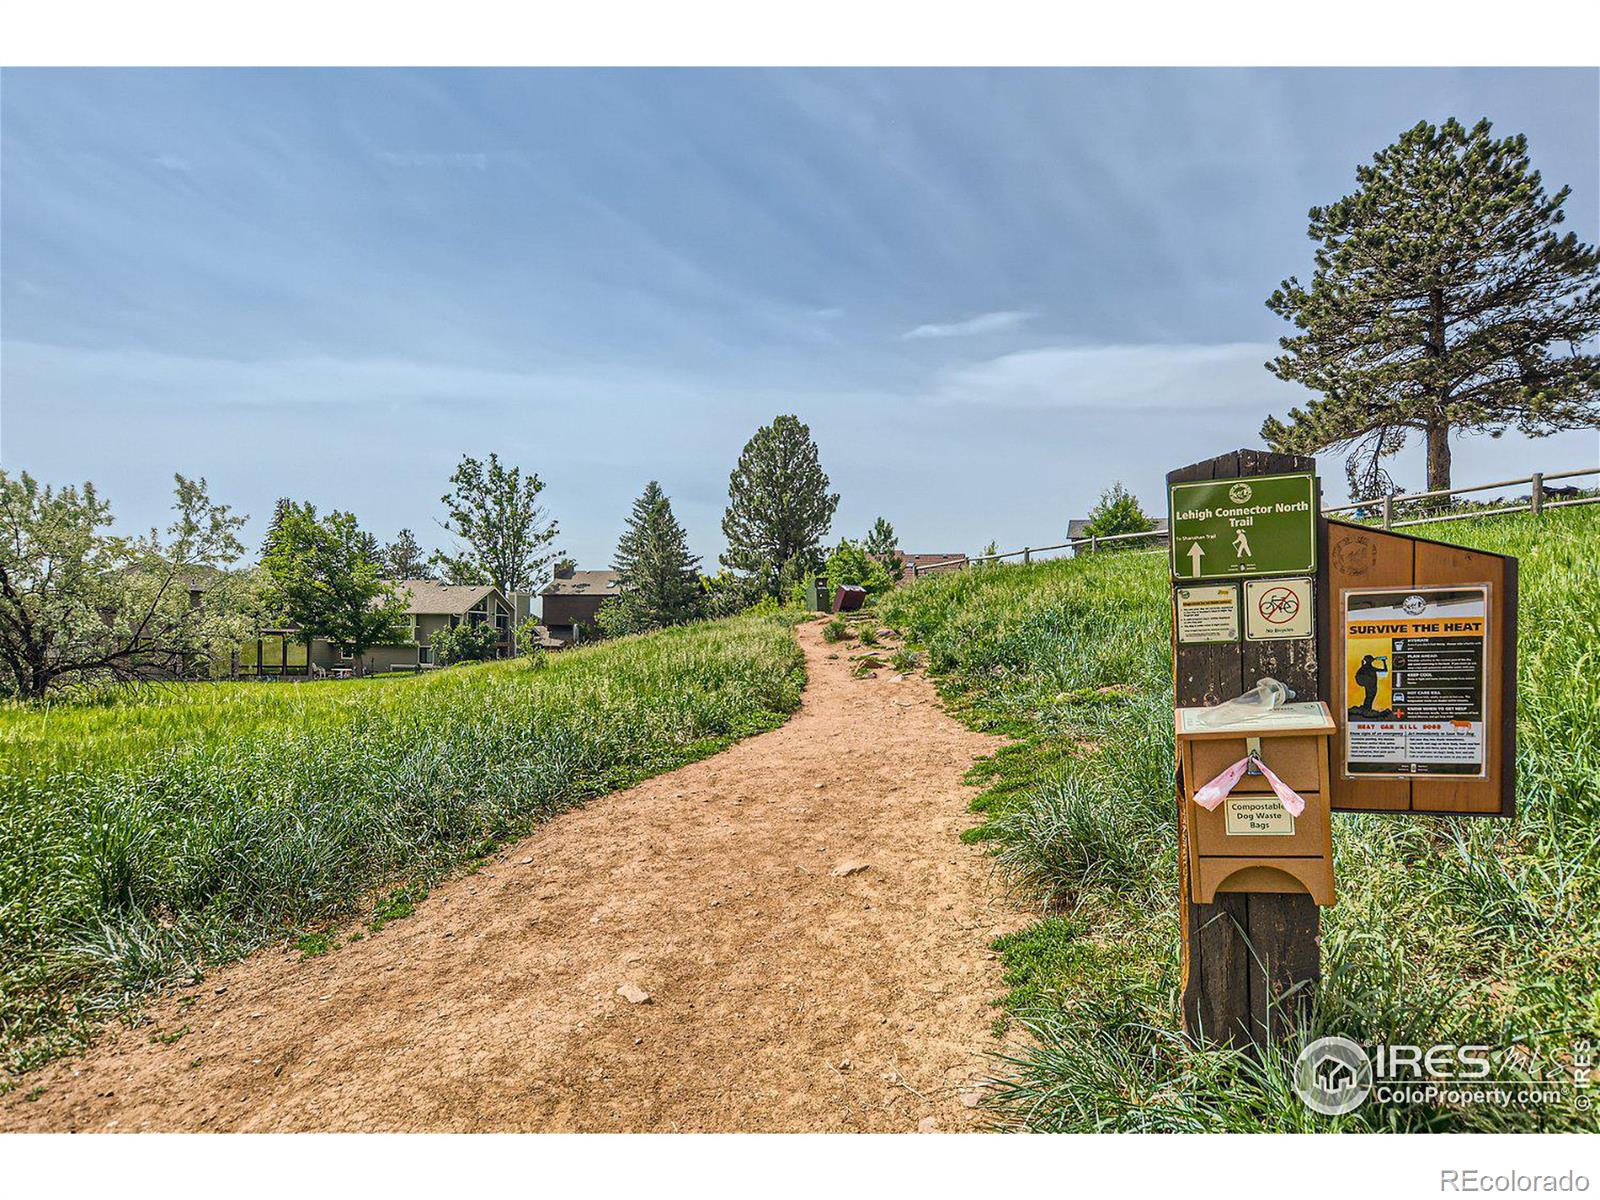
column 988, row 292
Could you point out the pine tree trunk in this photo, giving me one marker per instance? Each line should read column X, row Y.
column 1439, row 457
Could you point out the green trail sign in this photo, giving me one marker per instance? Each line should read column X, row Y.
column 1261, row 525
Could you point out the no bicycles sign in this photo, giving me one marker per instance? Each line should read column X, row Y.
column 1275, row 609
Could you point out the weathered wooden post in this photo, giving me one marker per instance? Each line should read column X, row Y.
column 1250, row 959
column 1536, row 495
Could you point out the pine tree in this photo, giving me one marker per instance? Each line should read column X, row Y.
column 884, row 546
column 658, row 576
column 1443, row 301
column 403, row 558
column 280, row 510
column 779, row 506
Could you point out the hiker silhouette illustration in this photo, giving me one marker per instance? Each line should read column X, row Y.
column 1367, row 678
column 1241, row 545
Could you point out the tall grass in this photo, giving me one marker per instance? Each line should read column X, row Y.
column 1447, row 929
column 146, row 834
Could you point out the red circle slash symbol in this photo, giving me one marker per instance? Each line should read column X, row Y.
column 1279, row 605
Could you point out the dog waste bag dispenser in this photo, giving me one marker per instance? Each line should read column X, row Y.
column 1258, row 790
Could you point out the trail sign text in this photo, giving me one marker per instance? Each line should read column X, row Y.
column 1260, row 525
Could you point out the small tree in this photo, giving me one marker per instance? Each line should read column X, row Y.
column 465, row 642
column 884, row 546
column 779, row 506
column 330, row 583
column 657, row 576
column 1443, row 301
column 403, row 558
column 495, row 511
column 851, row 566
column 78, row 604
column 726, row 593
column 1117, row 511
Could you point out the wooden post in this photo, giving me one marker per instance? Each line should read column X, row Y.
column 1388, row 508
column 1249, row 961
column 1536, row 497
column 1027, row 555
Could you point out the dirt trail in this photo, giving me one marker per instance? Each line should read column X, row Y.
column 787, row 991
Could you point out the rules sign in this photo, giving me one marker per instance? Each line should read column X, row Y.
column 1225, row 528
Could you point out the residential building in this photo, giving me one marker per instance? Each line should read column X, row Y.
column 571, row 602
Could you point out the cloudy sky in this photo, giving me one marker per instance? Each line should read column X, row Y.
column 989, row 293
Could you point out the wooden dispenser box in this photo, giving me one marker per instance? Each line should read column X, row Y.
column 1249, row 842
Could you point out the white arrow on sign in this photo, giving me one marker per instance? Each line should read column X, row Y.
column 1194, row 556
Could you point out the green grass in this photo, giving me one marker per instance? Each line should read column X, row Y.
column 1447, row 929
column 147, row 834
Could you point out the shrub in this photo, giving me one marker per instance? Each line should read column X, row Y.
column 465, row 642
column 835, row 630
column 851, row 566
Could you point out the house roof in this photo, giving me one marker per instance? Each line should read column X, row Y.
column 583, row 583
column 425, row 597
column 926, row 561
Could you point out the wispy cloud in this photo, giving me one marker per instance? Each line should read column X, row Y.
column 991, row 322
column 1148, row 376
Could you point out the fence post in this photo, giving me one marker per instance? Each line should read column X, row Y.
column 1094, row 543
column 1027, row 555
column 913, row 569
column 1536, row 499
column 1388, row 508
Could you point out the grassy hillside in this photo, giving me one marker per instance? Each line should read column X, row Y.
column 1446, row 929
column 155, row 831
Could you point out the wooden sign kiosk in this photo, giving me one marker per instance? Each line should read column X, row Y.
column 1409, row 644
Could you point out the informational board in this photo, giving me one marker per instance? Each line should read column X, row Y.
column 1227, row 528
column 1429, row 724
column 1278, row 609
column 1207, row 614
column 1415, row 681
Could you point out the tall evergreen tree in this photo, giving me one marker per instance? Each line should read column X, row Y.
column 495, row 511
column 280, row 510
column 658, row 576
column 884, row 546
column 1443, row 300
column 779, row 506
column 403, row 558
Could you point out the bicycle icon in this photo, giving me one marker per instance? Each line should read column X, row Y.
column 1278, row 605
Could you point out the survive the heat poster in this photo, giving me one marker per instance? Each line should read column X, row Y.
column 1414, row 681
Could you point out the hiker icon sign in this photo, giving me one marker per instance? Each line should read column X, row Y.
column 1224, row 528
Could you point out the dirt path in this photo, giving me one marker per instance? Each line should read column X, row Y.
column 787, row 990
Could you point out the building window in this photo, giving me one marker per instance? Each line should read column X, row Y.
column 345, row 654
column 424, row 655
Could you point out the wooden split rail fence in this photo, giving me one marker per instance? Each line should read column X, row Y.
column 1380, row 511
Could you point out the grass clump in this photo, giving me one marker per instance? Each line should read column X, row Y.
column 1447, row 929
column 146, row 834
column 835, row 631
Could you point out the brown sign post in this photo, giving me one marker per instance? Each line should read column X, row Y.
column 1408, row 649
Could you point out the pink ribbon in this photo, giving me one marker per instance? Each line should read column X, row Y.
column 1217, row 790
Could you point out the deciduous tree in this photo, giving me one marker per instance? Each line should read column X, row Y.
column 495, row 511
column 1117, row 511
column 330, row 583
column 78, row 604
column 884, row 546
column 1445, row 300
